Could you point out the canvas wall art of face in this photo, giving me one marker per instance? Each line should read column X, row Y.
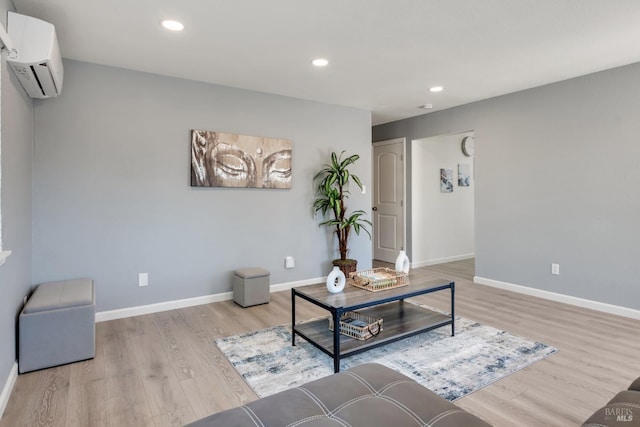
column 230, row 160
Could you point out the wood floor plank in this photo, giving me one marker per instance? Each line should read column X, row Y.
column 127, row 400
column 116, row 347
column 19, row 401
column 133, row 416
column 164, row 369
column 159, row 379
column 85, row 406
column 175, row 418
column 48, row 403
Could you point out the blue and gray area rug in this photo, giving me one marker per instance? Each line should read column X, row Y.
column 452, row 367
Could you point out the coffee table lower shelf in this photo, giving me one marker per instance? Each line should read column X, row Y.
column 401, row 320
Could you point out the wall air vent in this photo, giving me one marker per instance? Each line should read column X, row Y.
column 35, row 55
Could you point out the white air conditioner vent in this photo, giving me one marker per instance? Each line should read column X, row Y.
column 35, row 55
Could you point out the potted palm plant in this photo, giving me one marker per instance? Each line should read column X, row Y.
column 331, row 193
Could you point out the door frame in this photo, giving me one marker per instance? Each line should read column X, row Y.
column 402, row 141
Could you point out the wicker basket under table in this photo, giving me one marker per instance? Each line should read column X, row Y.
column 378, row 279
column 350, row 325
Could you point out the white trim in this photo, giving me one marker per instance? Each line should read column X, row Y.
column 436, row 261
column 139, row 310
column 567, row 299
column 122, row 313
column 8, row 387
column 389, row 142
column 3, row 256
column 288, row 285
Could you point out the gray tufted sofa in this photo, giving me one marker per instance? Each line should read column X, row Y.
column 368, row 395
column 621, row 411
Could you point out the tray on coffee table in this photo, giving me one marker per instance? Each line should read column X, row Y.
column 378, row 279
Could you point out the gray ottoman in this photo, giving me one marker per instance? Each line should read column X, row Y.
column 251, row 286
column 57, row 325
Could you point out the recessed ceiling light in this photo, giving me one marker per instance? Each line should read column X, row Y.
column 172, row 25
column 320, row 62
column 436, row 89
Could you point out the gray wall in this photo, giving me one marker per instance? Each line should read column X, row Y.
column 112, row 197
column 557, row 170
column 17, row 150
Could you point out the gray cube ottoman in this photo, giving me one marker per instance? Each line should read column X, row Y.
column 57, row 325
column 251, row 286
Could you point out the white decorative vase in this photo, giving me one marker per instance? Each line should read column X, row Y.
column 402, row 263
column 336, row 280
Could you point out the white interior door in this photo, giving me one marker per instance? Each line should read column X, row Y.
column 388, row 199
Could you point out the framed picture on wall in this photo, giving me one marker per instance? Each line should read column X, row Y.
column 221, row 159
column 464, row 177
column 446, row 181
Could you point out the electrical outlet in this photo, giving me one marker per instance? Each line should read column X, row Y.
column 289, row 262
column 143, row 279
column 555, row 269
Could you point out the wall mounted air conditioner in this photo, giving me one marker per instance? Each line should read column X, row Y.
column 35, row 55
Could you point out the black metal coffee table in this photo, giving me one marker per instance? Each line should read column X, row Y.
column 400, row 320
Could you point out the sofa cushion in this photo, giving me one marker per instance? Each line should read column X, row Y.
column 367, row 395
column 622, row 410
column 63, row 294
column 251, row 272
column 635, row 385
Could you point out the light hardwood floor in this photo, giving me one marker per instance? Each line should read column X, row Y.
column 164, row 370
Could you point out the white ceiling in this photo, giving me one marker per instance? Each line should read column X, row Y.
column 385, row 54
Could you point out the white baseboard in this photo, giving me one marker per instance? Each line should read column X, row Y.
column 567, row 299
column 121, row 313
column 139, row 310
column 8, row 387
column 288, row 285
column 418, row 264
